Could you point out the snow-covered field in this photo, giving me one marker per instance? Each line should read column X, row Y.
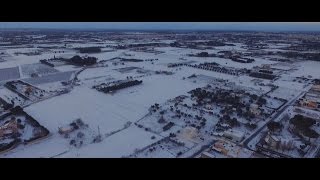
column 108, row 114
column 307, row 68
column 87, row 104
column 10, row 96
column 40, row 69
column 9, row 73
column 54, row 77
column 50, row 147
column 285, row 93
column 118, row 145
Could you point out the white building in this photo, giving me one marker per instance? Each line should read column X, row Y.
column 234, row 135
column 254, row 109
column 272, row 140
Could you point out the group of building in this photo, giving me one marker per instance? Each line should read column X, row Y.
column 311, row 99
column 225, row 149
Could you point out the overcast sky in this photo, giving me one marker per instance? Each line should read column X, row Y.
column 255, row 26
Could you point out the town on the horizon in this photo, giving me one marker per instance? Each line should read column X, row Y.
column 167, row 26
column 134, row 90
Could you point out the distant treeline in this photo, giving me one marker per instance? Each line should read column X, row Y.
column 202, row 54
column 118, row 86
column 195, row 44
column 77, row 60
column 89, row 49
column 300, row 55
column 262, row 75
column 306, row 45
column 131, row 60
column 140, row 45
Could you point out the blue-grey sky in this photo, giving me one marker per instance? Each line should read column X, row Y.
column 255, row 26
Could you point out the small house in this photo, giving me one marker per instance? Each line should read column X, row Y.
column 66, row 130
column 254, row 109
column 234, row 135
column 272, row 140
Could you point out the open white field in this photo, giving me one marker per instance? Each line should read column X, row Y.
column 284, row 93
column 118, row 145
column 307, row 68
column 93, row 107
column 108, row 111
column 49, row 147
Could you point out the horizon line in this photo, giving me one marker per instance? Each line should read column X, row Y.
column 153, row 30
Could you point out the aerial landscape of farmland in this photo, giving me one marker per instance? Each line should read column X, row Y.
column 170, row 94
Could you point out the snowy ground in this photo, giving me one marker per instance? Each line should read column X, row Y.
column 111, row 112
column 40, row 69
column 9, row 73
column 285, row 93
column 118, row 145
column 91, row 108
column 307, row 68
column 55, row 77
column 10, row 96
